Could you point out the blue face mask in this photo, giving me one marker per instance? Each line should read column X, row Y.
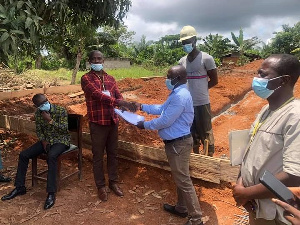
column 45, row 107
column 259, row 86
column 169, row 84
column 96, row 67
column 188, row 48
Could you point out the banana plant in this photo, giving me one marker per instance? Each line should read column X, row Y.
column 243, row 45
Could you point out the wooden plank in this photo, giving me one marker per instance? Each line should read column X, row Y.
column 45, row 90
column 143, row 154
column 63, row 89
column 228, row 173
column 201, row 167
column 76, row 94
column 205, row 167
column 3, row 121
column 19, row 94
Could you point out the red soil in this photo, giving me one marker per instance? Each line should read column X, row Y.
column 77, row 202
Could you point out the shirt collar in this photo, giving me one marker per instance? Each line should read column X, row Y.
column 179, row 87
column 175, row 90
column 51, row 108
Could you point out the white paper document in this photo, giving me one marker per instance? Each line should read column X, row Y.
column 238, row 143
column 130, row 117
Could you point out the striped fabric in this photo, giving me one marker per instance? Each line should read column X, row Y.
column 196, row 77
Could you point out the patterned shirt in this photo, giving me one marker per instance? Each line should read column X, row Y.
column 57, row 132
column 100, row 106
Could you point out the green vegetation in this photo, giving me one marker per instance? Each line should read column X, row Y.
column 65, row 31
column 63, row 76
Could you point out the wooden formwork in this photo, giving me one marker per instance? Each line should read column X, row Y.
column 45, row 90
column 201, row 167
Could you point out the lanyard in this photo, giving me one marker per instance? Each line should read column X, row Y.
column 102, row 82
column 264, row 117
column 260, row 122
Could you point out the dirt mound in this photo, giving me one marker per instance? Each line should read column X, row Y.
column 254, row 65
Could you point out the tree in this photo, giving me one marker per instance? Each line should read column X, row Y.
column 92, row 14
column 217, row 46
column 113, row 41
column 242, row 45
column 286, row 41
column 171, row 41
column 56, row 24
column 18, row 28
column 120, row 34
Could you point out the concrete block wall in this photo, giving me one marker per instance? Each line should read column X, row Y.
column 113, row 63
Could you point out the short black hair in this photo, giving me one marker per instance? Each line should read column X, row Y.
column 287, row 65
column 92, row 53
column 37, row 97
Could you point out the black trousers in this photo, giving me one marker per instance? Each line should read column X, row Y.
column 34, row 151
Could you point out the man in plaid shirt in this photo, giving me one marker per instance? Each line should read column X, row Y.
column 54, row 138
column 102, row 96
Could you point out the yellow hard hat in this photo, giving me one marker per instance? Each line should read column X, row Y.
column 187, row 32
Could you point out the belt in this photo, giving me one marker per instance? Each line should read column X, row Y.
column 177, row 139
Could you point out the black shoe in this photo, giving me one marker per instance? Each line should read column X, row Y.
column 116, row 189
column 14, row 193
column 4, row 179
column 171, row 209
column 50, row 200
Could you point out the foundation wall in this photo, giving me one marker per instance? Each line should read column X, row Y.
column 201, row 167
column 50, row 90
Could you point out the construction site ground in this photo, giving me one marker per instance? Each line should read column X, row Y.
column 234, row 107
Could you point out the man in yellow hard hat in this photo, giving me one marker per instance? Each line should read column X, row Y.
column 201, row 75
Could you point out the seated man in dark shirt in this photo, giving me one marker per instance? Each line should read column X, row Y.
column 52, row 131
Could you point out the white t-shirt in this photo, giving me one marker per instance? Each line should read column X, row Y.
column 197, row 78
column 275, row 147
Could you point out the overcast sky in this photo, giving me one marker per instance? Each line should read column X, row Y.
column 157, row 18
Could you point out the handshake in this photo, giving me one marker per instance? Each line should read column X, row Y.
column 130, row 106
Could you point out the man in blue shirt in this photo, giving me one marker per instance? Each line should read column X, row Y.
column 173, row 125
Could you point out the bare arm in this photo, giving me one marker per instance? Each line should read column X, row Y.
column 213, row 78
column 243, row 194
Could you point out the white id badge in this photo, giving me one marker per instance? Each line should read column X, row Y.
column 106, row 92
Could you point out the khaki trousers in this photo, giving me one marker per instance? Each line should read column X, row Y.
column 178, row 154
column 259, row 221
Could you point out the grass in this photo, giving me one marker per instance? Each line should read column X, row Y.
column 63, row 76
